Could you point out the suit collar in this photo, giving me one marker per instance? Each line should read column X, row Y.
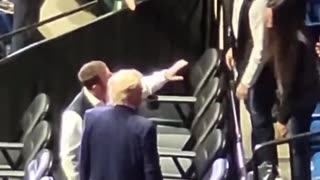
column 125, row 108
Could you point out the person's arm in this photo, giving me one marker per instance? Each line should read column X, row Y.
column 286, row 78
column 85, row 150
column 152, row 169
column 158, row 79
column 71, row 129
column 153, row 83
column 255, row 63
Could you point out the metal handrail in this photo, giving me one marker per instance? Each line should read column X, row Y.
column 239, row 143
column 38, row 24
column 258, row 147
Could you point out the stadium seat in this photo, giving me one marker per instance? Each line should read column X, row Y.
column 316, row 113
column 218, row 170
column 315, row 140
column 47, row 178
column 32, row 144
column 315, row 165
column 212, row 91
column 206, row 67
column 185, row 139
column 189, row 164
column 35, row 112
column 35, row 170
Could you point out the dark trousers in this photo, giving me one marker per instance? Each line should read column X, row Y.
column 26, row 13
column 300, row 149
column 260, row 101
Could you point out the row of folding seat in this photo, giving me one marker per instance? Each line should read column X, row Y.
column 189, row 142
column 315, row 144
column 36, row 135
column 38, row 168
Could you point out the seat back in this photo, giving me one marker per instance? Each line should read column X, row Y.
column 35, row 141
column 40, row 166
column 35, row 113
column 210, row 119
column 210, row 92
column 203, row 69
column 47, row 178
column 209, row 150
column 218, row 170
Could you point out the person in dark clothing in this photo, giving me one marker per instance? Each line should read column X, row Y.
column 26, row 12
column 117, row 143
column 296, row 74
column 256, row 84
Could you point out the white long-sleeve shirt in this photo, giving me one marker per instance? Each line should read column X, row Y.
column 256, row 22
column 72, row 126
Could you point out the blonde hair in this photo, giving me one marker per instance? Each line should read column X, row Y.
column 120, row 84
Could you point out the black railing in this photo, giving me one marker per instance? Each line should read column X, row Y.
column 239, row 144
column 276, row 143
column 54, row 18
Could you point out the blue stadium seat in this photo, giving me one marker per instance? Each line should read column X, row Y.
column 315, row 126
column 316, row 113
column 315, row 166
column 5, row 22
column 313, row 13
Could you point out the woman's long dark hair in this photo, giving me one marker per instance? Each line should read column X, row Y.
column 288, row 19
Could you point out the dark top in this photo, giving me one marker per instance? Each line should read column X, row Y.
column 80, row 104
column 301, row 90
column 244, row 44
column 282, row 10
column 118, row 144
column 26, row 12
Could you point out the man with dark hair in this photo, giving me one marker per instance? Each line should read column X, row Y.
column 94, row 76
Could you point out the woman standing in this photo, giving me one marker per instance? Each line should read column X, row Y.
column 296, row 74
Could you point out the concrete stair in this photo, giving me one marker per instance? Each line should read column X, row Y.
column 52, row 8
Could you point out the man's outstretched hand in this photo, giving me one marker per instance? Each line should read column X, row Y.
column 171, row 73
column 131, row 4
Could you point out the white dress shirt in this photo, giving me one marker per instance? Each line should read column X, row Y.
column 71, row 126
column 256, row 22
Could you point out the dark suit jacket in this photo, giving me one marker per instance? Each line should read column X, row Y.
column 118, row 144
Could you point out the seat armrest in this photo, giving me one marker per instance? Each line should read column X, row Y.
column 171, row 99
column 169, row 176
column 11, row 145
column 176, row 154
column 11, row 173
column 167, row 122
column 5, row 167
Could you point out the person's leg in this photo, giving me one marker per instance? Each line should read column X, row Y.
column 259, row 103
column 300, row 149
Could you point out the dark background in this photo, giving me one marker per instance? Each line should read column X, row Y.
column 153, row 37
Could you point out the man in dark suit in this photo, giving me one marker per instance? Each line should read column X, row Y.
column 117, row 143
